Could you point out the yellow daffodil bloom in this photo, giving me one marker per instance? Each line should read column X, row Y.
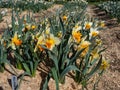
column 98, row 41
column 16, row 41
column 102, row 24
column 84, row 44
column 93, row 32
column 59, row 34
column 95, row 54
column 64, row 18
column 27, row 27
column 84, row 52
column 76, row 36
column 51, row 41
column 87, row 25
column 104, row 65
column 47, row 31
column 40, row 48
column 77, row 27
column 39, row 43
column 33, row 27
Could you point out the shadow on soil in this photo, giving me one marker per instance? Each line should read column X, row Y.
column 1, row 88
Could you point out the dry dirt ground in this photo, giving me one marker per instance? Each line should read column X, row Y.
column 111, row 40
column 109, row 81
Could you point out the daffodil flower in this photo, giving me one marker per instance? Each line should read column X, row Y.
column 76, row 35
column 98, row 42
column 87, row 25
column 16, row 41
column 33, row 27
column 93, row 32
column 59, row 34
column 27, row 27
column 102, row 24
column 77, row 27
column 95, row 54
column 51, row 41
column 84, row 45
column 104, row 65
column 47, row 31
column 40, row 42
column 64, row 18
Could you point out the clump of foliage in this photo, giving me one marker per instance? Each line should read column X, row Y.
column 69, row 40
column 112, row 8
column 32, row 5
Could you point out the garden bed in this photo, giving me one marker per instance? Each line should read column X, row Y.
column 109, row 81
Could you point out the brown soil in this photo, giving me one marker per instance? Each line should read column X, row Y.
column 110, row 79
column 111, row 40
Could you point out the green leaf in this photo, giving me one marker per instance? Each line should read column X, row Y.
column 1, row 68
column 26, row 67
column 54, row 58
column 31, row 67
column 52, row 28
column 45, row 85
column 76, row 55
column 18, row 56
column 62, row 26
column 35, row 67
column 95, row 68
column 67, row 69
column 86, row 62
column 102, row 50
column 55, row 76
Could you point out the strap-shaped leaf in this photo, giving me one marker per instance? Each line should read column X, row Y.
column 31, row 67
column 76, row 55
column 26, row 67
column 35, row 66
column 45, row 85
column 95, row 68
column 34, row 54
column 18, row 56
column 87, row 57
column 102, row 50
column 67, row 69
column 62, row 26
column 52, row 28
column 55, row 76
column 1, row 53
column 54, row 58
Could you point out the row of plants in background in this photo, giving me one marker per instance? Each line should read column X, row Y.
column 101, row 0
column 32, row 5
column 68, row 40
column 112, row 8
